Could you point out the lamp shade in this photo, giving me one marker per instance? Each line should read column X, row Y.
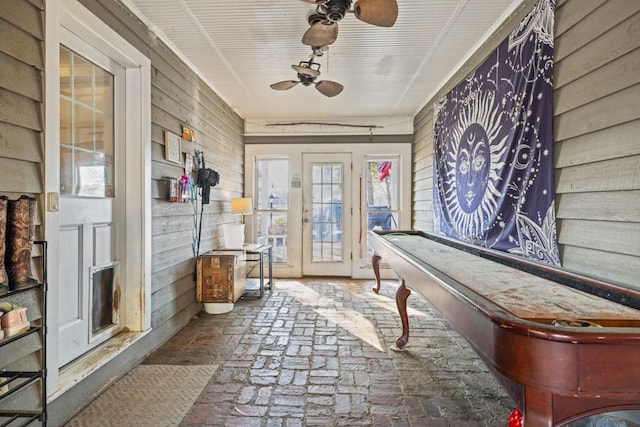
column 242, row 206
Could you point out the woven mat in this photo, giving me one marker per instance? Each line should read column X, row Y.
column 149, row 395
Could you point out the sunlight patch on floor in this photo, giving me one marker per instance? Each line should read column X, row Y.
column 354, row 322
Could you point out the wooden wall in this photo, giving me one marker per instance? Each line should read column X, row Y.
column 179, row 97
column 21, row 98
column 596, row 133
column 21, row 147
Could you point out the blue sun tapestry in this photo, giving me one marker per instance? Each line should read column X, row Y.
column 493, row 147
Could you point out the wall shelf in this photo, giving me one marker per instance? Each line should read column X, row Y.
column 14, row 382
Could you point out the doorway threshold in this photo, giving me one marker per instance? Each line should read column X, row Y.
column 81, row 368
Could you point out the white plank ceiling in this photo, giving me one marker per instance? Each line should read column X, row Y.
column 240, row 47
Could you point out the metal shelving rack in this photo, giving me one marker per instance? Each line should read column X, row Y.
column 18, row 380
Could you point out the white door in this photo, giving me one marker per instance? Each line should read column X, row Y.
column 91, row 207
column 327, row 213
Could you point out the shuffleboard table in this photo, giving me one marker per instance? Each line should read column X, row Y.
column 562, row 345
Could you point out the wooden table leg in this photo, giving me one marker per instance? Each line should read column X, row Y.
column 538, row 408
column 401, row 302
column 375, row 261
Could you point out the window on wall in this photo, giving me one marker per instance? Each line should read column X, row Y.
column 86, row 127
column 382, row 194
column 272, row 178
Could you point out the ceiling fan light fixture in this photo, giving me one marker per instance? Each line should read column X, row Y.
column 382, row 13
column 306, row 71
column 320, row 34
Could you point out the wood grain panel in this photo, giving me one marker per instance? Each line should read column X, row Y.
column 617, row 237
column 20, row 78
column 168, row 312
column 165, row 295
column 19, row 177
column 605, row 206
column 20, row 111
column 214, row 113
column 163, row 260
column 610, row 175
column 605, row 144
column 591, row 26
column 424, row 207
column 21, row 45
column 25, row 16
column 171, row 241
column 622, row 269
column 19, row 143
column 621, row 40
column 423, row 174
column 166, row 277
column 598, row 115
column 569, row 13
column 423, row 194
column 622, row 73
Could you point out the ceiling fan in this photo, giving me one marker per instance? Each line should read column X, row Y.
column 308, row 72
column 324, row 23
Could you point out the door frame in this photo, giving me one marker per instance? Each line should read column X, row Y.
column 74, row 17
column 361, row 265
column 343, row 267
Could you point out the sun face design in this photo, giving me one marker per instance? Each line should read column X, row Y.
column 474, row 160
column 472, row 167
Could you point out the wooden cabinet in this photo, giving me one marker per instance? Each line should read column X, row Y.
column 220, row 279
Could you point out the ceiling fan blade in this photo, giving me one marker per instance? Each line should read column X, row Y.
column 320, row 34
column 306, row 71
column 287, row 84
column 329, row 88
column 382, row 13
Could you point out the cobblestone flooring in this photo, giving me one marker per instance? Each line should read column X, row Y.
column 317, row 353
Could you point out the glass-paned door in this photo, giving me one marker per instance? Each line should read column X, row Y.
column 272, row 200
column 382, row 194
column 90, row 233
column 327, row 214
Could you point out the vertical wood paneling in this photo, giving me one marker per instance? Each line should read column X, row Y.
column 179, row 97
column 597, row 149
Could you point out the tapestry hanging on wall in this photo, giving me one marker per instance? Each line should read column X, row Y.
column 493, row 147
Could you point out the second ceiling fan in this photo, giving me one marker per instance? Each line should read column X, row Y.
column 308, row 72
column 324, row 23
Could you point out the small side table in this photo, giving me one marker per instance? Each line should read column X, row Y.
column 260, row 254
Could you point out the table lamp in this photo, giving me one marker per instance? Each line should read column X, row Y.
column 242, row 207
column 234, row 233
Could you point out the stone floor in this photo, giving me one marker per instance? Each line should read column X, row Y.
column 317, row 352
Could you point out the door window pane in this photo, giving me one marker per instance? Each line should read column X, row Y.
column 382, row 194
column 326, row 206
column 86, row 127
column 272, row 176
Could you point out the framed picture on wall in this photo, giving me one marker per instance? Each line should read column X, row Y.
column 172, row 149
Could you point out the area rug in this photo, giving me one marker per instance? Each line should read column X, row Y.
column 149, row 395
